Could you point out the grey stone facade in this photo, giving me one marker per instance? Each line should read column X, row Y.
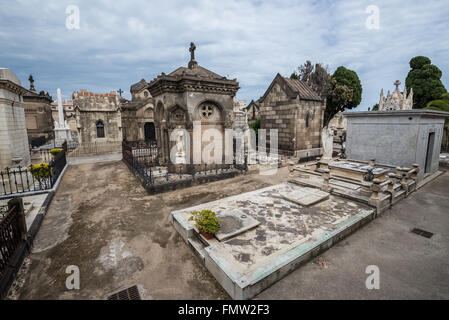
column 182, row 97
column 399, row 138
column 291, row 107
column 93, row 111
column 38, row 113
column 14, row 148
column 138, row 114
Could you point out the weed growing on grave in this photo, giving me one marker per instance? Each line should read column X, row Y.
column 206, row 221
column 55, row 151
column 40, row 171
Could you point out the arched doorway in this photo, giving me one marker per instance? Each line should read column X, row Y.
column 149, row 132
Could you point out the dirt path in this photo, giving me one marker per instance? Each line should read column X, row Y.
column 104, row 222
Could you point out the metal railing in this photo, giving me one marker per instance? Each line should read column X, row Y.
column 19, row 180
column 12, row 233
column 142, row 160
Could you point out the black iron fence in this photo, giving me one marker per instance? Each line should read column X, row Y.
column 142, row 160
column 13, row 232
column 20, row 179
column 140, row 152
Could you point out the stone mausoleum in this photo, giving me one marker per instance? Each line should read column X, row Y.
column 396, row 137
column 14, row 148
column 98, row 117
column 138, row 115
column 38, row 113
column 296, row 111
column 177, row 100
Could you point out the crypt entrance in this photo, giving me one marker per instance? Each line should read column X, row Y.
column 150, row 133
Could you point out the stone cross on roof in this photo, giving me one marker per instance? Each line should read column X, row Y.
column 31, row 83
column 397, row 83
column 120, row 91
column 192, row 62
column 192, row 51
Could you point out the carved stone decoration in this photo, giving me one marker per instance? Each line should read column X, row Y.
column 180, row 154
column 397, row 100
column 207, row 111
column 327, row 139
column 179, row 116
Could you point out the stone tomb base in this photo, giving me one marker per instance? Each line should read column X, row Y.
column 281, row 234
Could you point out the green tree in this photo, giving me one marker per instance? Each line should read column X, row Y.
column 255, row 126
column 425, row 79
column 375, row 107
column 441, row 104
column 346, row 93
column 342, row 90
column 317, row 77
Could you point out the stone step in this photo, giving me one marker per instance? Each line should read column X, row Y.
column 198, row 247
column 398, row 196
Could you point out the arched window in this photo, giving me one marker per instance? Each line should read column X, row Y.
column 100, row 129
column 307, row 120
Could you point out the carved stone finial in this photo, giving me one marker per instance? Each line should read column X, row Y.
column 31, row 83
column 397, row 83
column 192, row 62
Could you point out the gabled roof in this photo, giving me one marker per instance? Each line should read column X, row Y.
column 303, row 89
column 138, row 86
column 255, row 103
column 293, row 88
column 196, row 71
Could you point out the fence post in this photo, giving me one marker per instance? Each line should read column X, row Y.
column 17, row 203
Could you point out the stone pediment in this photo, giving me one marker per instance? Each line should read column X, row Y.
column 138, row 86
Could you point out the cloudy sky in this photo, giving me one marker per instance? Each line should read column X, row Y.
column 120, row 42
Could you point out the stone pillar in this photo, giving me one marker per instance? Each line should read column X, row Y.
column 391, row 183
column 375, row 189
column 291, row 169
column 415, row 172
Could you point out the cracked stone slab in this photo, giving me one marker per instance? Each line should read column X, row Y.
column 304, row 196
column 234, row 222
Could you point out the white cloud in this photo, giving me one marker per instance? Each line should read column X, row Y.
column 118, row 43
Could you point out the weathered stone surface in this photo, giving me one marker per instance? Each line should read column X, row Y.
column 38, row 113
column 233, row 223
column 398, row 138
column 296, row 112
column 14, row 148
column 397, row 100
column 90, row 109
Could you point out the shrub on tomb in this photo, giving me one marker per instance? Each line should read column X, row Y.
column 206, row 222
column 40, row 171
column 55, row 151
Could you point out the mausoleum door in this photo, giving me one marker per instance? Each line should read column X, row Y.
column 150, row 132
